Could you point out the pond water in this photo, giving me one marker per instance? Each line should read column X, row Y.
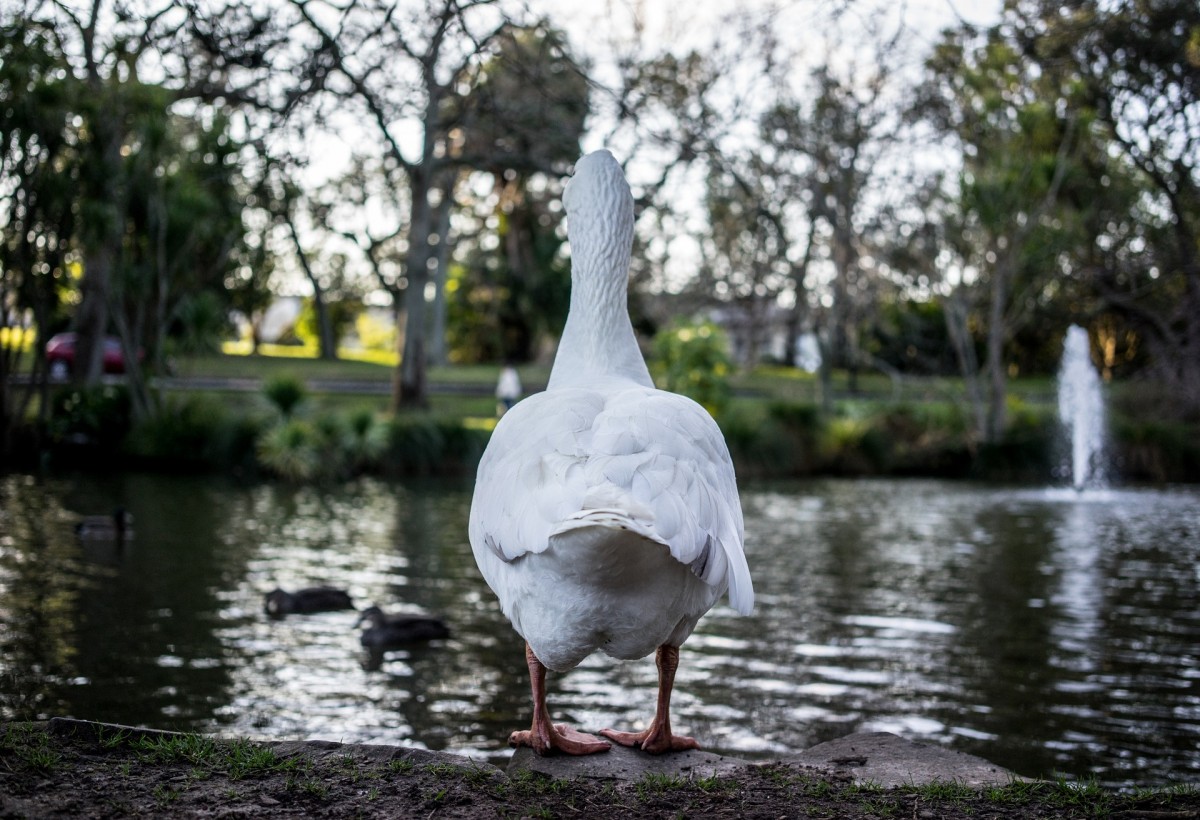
column 1051, row 632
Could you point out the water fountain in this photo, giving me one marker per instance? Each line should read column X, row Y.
column 1081, row 410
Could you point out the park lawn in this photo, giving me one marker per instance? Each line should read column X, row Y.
column 752, row 390
column 278, row 360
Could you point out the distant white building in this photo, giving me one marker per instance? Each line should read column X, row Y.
column 774, row 335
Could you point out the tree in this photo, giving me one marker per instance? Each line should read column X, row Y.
column 745, row 250
column 834, row 148
column 38, row 216
column 528, row 113
column 182, row 236
column 153, row 195
column 1020, row 136
column 1136, row 64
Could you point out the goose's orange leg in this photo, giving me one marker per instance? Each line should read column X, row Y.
column 658, row 738
column 543, row 736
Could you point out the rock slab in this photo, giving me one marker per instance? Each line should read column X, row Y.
column 885, row 759
column 878, row 758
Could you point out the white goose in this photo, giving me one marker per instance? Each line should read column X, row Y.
column 606, row 514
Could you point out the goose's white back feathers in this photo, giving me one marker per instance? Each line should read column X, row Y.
column 606, row 513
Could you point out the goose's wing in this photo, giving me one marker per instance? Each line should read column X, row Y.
column 669, row 455
column 559, row 459
column 530, row 475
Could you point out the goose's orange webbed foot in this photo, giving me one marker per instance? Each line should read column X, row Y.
column 543, row 736
column 656, row 740
column 550, row 736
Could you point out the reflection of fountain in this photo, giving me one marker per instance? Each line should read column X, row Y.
column 1081, row 409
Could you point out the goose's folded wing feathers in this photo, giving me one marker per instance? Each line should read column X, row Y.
column 656, row 456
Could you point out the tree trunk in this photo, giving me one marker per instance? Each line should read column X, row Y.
column 437, row 334
column 412, row 390
column 997, row 376
column 968, row 362
column 102, row 248
column 326, row 343
column 91, row 320
column 825, row 369
column 401, row 324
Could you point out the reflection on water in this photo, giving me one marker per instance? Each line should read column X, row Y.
column 1051, row 632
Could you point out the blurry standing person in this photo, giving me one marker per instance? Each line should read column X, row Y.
column 508, row 389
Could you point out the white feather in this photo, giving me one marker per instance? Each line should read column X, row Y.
column 606, row 512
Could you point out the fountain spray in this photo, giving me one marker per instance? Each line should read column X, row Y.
column 1081, row 410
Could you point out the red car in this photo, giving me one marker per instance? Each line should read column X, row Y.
column 60, row 355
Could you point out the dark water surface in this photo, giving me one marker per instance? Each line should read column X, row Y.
column 1050, row 632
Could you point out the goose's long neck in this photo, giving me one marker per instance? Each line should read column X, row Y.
column 598, row 340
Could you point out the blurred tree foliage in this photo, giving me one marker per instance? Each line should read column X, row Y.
column 692, row 358
column 511, row 286
column 122, row 211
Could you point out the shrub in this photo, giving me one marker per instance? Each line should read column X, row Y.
column 1155, row 450
column 1027, row 451
column 364, row 440
column 694, row 359
column 291, row 450
column 188, row 433
column 97, row 417
column 414, row 446
column 285, row 393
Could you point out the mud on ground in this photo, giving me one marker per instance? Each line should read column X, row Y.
column 74, row 769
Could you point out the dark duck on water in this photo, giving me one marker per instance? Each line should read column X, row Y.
column 397, row 631
column 280, row 602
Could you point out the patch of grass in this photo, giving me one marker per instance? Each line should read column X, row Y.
column 815, row 787
column 313, row 787
column 165, row 795
column 400, row 766
column 1015, row 792
column 526, row 783
column 477, row 776
column 189, row 748
column 653, row 783
column 714, row 784
column 41, row 757
column 110, row 738
column 443, row 769
column 31, row 746
column 1086, row 795
column 880, row 807
column 947, row 790
column 245, row 759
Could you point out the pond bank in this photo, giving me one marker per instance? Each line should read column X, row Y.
column 70, row 768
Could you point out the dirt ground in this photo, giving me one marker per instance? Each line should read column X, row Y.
column 68, row 769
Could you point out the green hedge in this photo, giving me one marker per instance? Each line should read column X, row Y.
column 774, row 439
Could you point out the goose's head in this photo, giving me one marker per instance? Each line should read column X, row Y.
column 599, row 208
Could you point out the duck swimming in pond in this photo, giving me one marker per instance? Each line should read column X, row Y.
column 396, row 631
column 115, row 527
column 280, row 602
